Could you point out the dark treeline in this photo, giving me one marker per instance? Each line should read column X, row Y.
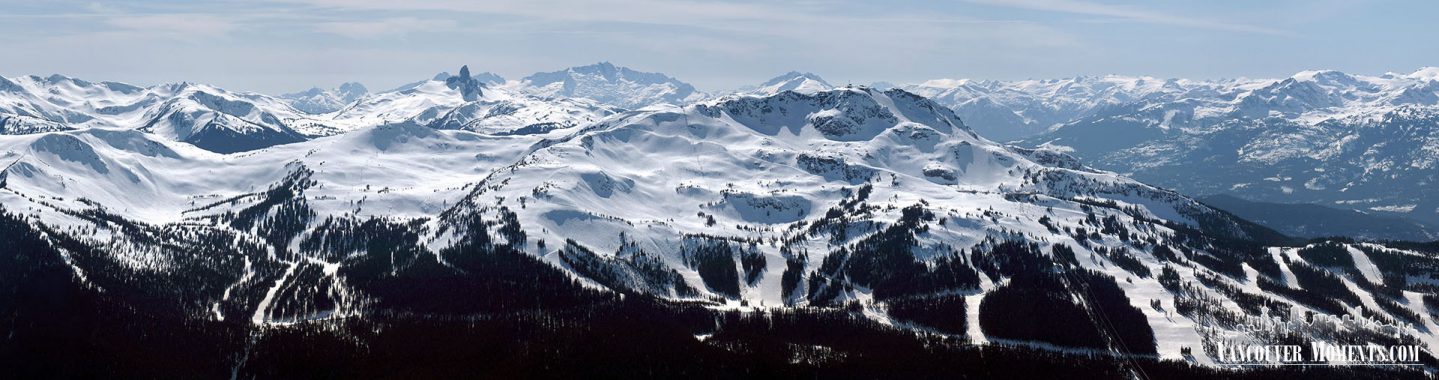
column 1044, row 307
column 945, row 313
column 482, row 309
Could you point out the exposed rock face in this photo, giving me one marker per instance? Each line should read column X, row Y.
column 470, row 88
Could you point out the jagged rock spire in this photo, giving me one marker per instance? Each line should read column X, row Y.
column 470, row 89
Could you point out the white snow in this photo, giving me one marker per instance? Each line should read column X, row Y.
column 1366, row 267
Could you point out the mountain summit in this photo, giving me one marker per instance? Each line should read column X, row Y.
column 793, row 81
column 321, row 101
column 469, row 87
column 614, row 85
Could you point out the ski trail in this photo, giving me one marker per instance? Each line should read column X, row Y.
column 1365, row 266
column 263, row 308
column 971, row 306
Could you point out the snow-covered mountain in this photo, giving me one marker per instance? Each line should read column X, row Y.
column 791, row 81
column 28, row 105
column 475, row 103
column 612, row 85
column 881, row 208
column 1367, row 143
column 205, row 116
column 1006, row 110
column 319, row 101
column 485, row 78
column 227, row 122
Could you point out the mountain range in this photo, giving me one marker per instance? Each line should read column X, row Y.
column 1363, row 143
column 629, row 225
column 1357, row 142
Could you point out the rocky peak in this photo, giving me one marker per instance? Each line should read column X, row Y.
column 469, row 87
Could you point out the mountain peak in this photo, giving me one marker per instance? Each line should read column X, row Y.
column 317, row 100
column 614, row 85
column 851, row 113
column 352, row 87
column 1426, row 73
column 601, row 66
column 469, row 87
column 483, row 77
column 1332, row 76
column 312, row 91
column 794, row 81
column 794, row 75
column 57, row 78
column 611, row 72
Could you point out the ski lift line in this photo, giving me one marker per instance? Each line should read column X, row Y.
column 1113, row 333
column 17, row 161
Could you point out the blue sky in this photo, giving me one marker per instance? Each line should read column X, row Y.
column 284, row 45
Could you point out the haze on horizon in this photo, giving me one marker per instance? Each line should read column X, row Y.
column 276, row 46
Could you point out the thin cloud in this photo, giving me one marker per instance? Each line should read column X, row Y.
column 1130, row 14
column 739, row 23
column 384, row 27
column 679, row 13
column 174, row 23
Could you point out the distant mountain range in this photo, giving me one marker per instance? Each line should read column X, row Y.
column 1356, row 142
column 1366, row 143
column 226, row 122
